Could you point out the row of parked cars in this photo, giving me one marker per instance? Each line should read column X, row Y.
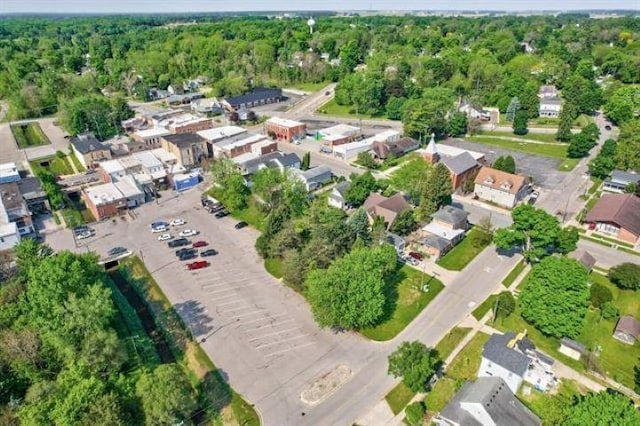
column 413, row 258
column 187, row 250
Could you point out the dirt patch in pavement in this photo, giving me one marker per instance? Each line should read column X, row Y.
column 326, row 384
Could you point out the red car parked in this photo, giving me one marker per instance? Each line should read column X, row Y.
column 416, row 255
column 197, row 264
column 200, row 244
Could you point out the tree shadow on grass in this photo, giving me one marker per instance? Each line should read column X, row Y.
column 392, row 281
column 215, row 394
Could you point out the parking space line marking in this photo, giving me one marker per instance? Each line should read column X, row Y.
column 232, row 302
column 273, row 334
column 272, row 324
column 235, row 309
column 220, row 291
column 290, row 349
column 246, row 315
column 227, row 296
column 281, row 341
column 263, row 318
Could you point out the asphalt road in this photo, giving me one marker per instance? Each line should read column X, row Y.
column 606, row 257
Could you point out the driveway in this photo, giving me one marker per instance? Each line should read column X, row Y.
column 543, row 169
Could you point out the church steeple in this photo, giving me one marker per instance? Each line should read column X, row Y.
column 431, row 152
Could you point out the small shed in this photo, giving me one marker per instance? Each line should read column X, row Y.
column 397, row 242
column 571, row 348
column 627, row 330
column 584, row 257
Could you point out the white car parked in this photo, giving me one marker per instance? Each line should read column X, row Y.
column 160, row 228
column 188, row 233
column 164, row 237
column 177, row 222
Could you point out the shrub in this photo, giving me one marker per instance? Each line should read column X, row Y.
column 506, row 304
column 626, row 276
column 415, row 413
column 609, row 311
column 600, row 295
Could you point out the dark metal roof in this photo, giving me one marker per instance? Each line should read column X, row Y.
column 87, row 142
column 257, row 94
column 576, row 346
column 183, row 140
column 497, row 351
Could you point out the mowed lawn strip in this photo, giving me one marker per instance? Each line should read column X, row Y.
column 399, row 397
column 405, row 300
column 544, row 149
column 451, row 341
column 464, row 252
column 514, row 273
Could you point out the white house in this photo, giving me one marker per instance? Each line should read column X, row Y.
column 502, row 188
column 550, row 107
column 151, row 165
column 112, row 170
column 129, row 189
column 337, row 197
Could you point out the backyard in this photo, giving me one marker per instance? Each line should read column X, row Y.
column 473, row 243
column 57, row 165
column 615, row 359
column 405, row 300
column 311, row 87
column 29, row 135
column 332, row 108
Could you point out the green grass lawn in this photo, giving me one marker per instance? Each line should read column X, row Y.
column 29, row 135
column 405, row 301
column 55, row 165
column 547, row 150
column 463, row 253
column 595, row 185
column 451, row 341
column 540, row 137
column 441, row 394
column 311, row 87
column 332, row 108
column 399, row 397
column 72, row 217
column 274, row 267
column 252, row 215
column 465, row 365
column 76, row 162
column 550, row 407
column 515, row 273
column 568, row 164
column 482, row 309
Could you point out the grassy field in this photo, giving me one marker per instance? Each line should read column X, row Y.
column 515, row 273
column 405, row 300
column 311, row 87
column 58, row 165
column 547, row 150
column 274, row 267
column 29, row 135
column 539, row 137
column 450, row 341
column 550, row 407
column 616, row 359
column 218, row 398
column 568, row 164
column 482, row 309
column 332, row 108
column 76, row 163
column 399, row 397
column 463, row 253
column 441, row 394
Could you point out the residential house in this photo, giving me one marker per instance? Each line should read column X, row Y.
column 32, row 193
column 515, row 360
column 475, row 113
column 617, row 215
column 216, row 137
column 9, row 173
column 206, row 106
column 462, row 164
column 571, row 348
column 285, row 130
column 150, row 138
column 258, row 96
column 157, row 94
column 488, row 402
column 397, row 242
column 189, row 148
column 104, row 200
column 89, row 150
column 386, row 207
column 111, row 170
column 627, row 330
column 619, row 181
column 9, row 234
column 446, row 229
column 184, row 98
column 337, row 197
column 275, row 159
column 337, row 135
column 151, row 165
column 583, row 257
column 128, row 187
column 548, row 92
column 15, row 208
column 382, row 150
column 502, row 188
column 314, row 177
column 550, row 107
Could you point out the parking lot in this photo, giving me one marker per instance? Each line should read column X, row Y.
column 258, row 332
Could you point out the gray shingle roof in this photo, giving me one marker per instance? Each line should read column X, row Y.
column 450, row 214
column 495, row 397
column 342, row 187
column 435, row 242
column 257, row 94
column 316, row 172
column 496, row 351
column 460, row 163
column 624, row 178
column 577, row 346
column 184, row 140
column 87, row 142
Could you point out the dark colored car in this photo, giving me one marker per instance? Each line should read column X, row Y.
column 241, row 225
column 188, row 256
column 116, row 251
column 81, row 230
column 533, row 197
column 185, row 250
column 214, row 208
column 607, row 127
column 209, row 252
column 200, row 244
column 222, row 213
column 416, row 255
column 199, row 264
column 179, row 242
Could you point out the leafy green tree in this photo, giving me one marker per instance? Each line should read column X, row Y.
column 410, row 178
column 366, row 160
column 415, row 413
column 604, row 163
column 505, row 304
column 404, row 223
column 427, row 115
column 267, row 184
column 444, row 187
column 628, row 146
column 567, row 240
column 505, row 163
column 609, row 310
column 600, row 294
column 568, row 115
column 236, row 193
column 306, row 161
column 350, row 293
column 623, row 104
column 93, row 113
column 626, row 276
column 415, row 363
column 294, row 269
column 166, row 394
column 603, row 408
column 359, row 225
column 555, row 298
column 395, row 107
column 360, row 188
column 520, row 122
column 585, row 94
column 535, row 232
column 457, row 124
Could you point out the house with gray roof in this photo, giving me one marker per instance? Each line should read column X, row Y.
column 462, row 168
column 337, row 197
column 89, row 150
column 277, row 159
column 550, row 107
column 487, row 401
column 397, row 242
column 619, row 181
column 627, row 330
column 314, row 177
column 447, row 227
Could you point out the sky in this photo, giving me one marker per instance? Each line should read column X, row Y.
column 160, row 6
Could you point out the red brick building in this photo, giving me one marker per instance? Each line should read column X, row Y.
column 285, row 130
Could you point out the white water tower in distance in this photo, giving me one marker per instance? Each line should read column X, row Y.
column 311, row 23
